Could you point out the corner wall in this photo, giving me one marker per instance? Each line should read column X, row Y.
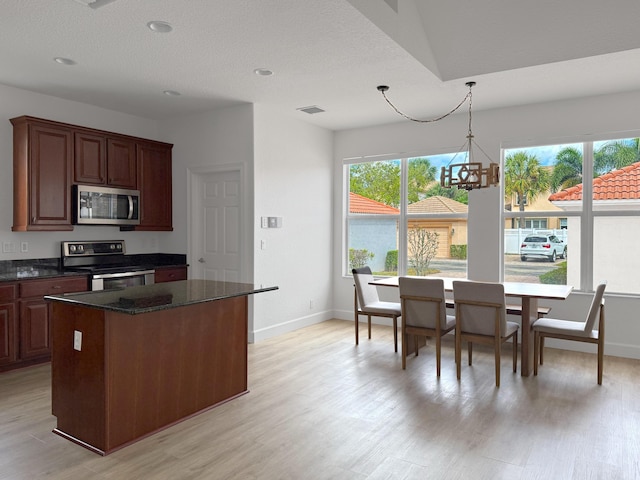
column 293, row 171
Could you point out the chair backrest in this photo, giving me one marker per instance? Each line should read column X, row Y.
column 479, row 316
column 419, row 297
column 596, row 303
column 367, row 294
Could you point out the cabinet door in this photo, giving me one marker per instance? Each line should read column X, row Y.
column 170, row 274
column 34, row 328
column 89, row 165
column 7, row 333
column 154, row 183
column 121, row 163
column 50, row 150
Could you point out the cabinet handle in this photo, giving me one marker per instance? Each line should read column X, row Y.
column 56, row 287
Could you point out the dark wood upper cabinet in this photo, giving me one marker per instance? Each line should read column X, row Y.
column 49, row 157
column 42, row 159
column 90, row 159
column 154, row 183
column 121, row 163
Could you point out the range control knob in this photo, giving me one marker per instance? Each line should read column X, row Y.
column 72, row 248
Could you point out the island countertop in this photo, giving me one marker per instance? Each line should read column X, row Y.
column 159, row 296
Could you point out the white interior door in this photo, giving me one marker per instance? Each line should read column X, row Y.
column 216, row 226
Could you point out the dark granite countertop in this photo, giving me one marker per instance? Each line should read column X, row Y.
column 159, row 296
column 29, row 269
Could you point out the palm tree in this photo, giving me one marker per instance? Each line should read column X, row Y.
column 567, row 171
column 525, row 178
column 615, row 155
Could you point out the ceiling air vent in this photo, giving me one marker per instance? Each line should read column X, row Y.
column 311, row 110
column 94, row 3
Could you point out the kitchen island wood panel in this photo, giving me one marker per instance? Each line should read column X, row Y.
column 144, row 369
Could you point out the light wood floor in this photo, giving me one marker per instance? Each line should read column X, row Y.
column 322, row 408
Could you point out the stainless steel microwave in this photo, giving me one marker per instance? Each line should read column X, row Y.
column 105, row 206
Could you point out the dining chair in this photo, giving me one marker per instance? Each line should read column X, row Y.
column 366, row 302
column 481, row 318
column 424, row 313
column 576, row 331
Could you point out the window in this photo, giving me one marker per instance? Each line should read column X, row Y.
column 401, row 221
column 553, row 179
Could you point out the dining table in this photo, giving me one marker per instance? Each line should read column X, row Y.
column 529, row 293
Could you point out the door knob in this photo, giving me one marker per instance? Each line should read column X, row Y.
column 201, row 260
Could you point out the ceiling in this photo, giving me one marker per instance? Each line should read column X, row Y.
column 330, row 53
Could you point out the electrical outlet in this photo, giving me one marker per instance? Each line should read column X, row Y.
column 24, row 247
column 77, row 340
column 8, row 247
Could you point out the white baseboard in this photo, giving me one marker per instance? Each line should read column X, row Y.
column 289, row 326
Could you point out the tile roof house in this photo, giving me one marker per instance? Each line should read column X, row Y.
column 622, row 184
column 364, row 205
column 437, row 204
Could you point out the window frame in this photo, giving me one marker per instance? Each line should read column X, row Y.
column 403, row 218
column 586, row 213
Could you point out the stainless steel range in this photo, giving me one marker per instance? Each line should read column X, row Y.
column 106, row 263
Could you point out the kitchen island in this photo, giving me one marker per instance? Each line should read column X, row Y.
column 127, row 363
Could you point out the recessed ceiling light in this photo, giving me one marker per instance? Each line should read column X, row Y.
column 171, row 93
column 264, row 72
column 64, row 61
column 159, row 27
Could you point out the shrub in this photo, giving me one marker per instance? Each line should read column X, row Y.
column 391, row 261
column 458, row 251
column 423, row 246
column 359, row 258
column 557, row 276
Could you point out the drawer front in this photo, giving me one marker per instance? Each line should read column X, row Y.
column 170, row 274
column 53, row 286
column 8, row 292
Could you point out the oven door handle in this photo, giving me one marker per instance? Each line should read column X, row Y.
column 124, row 274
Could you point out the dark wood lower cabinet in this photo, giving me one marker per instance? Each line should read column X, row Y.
column 136, row 374
column 34, row 329
column 25, row 322
column 7, row 333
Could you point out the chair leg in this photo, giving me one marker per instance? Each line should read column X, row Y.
column 515, row 352
column 600, row 358
column 537, row 350
column 357, row 327
column 395, row 334
column 416, row 347
column 369, row 319
column 458, row 354
column 403, row 342
column 541, row 350
column 497, row 360
column 470, row 352
column 438, row 350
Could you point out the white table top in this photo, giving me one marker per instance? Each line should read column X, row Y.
column 511, row 289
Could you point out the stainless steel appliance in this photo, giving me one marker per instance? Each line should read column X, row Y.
column 106, row 263
column 105, row 206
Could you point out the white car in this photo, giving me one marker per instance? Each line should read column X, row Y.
column 543, row 246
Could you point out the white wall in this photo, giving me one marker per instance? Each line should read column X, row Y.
column 209, row 140
column 293, row 171
column 529, row 123
column 16, row 102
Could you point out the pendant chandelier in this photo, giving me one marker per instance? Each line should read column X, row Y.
column 467, row 175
